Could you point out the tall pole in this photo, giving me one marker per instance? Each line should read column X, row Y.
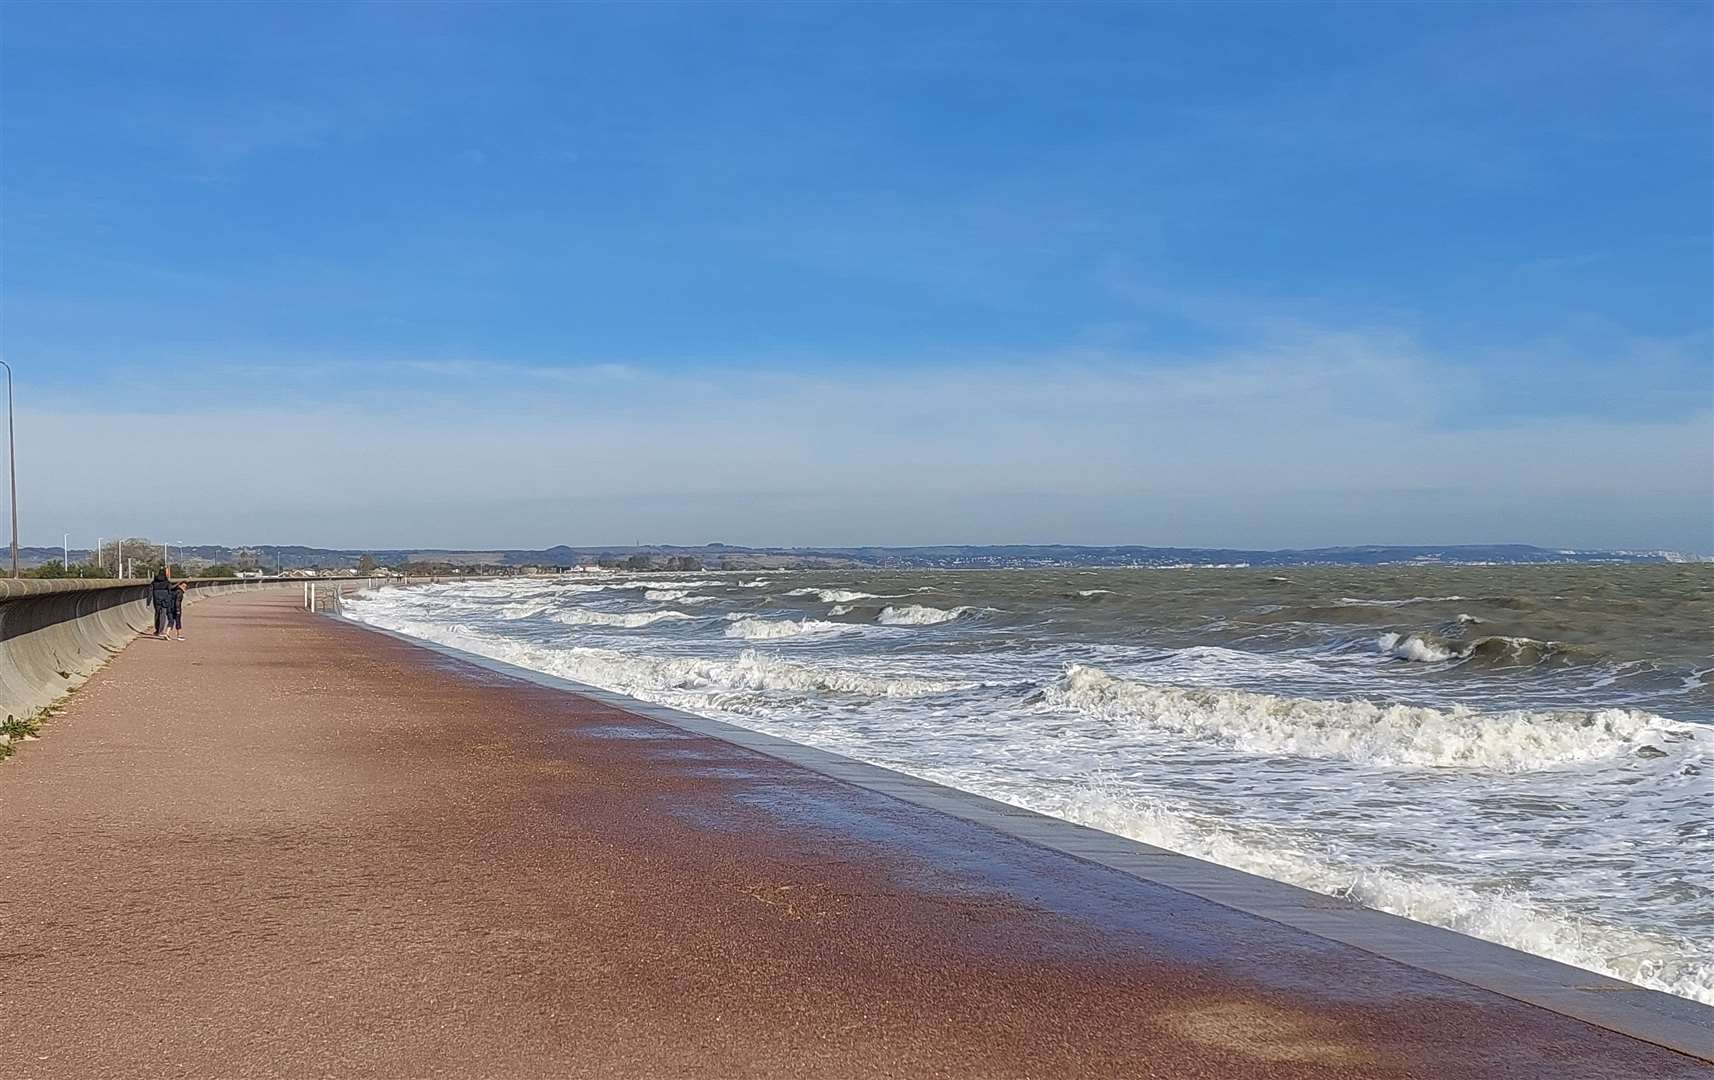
column 12, row 462
column 65, row 547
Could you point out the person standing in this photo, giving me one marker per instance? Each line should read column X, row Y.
column 176, row 611
column 161, row 594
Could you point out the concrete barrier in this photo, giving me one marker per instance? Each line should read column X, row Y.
column 54, row 634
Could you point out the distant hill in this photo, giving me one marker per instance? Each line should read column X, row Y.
column 718, row 556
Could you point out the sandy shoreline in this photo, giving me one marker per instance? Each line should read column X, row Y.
column 293, row 847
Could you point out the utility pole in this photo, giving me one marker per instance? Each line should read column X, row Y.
column 65, row 558
column 12, row 462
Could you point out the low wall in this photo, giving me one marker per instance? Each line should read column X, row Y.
column 54, row 634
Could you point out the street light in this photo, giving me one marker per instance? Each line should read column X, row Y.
column 12, row 461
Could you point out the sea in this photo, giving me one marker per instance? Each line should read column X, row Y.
column 1523, row 754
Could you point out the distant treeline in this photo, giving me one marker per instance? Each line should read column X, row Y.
column 432, row 568
column 142, row 568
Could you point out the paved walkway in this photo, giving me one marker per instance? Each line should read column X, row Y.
column 290, row 847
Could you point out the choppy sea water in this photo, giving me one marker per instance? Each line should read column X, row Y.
column 1523, row 754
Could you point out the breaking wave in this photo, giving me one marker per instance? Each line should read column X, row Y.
column 917, row 615
column 1495, row 651
column 682, row 596
column 657, row 678
column 1359, row 601
column 1414, row 647
column 1513, row 741
column 833, row 596
column 630, row 620
column 753, row 629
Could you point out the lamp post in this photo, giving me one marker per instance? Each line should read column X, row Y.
column 12, row 462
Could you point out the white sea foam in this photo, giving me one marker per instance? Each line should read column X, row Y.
column 629, row 620
column 522, row 610
column 753, row 629
column 1359, row 601
column 1382, row 735
column 839, row 609
column 658, row 678
column 680, row 596
column 917, row 615
column 833, row 596
column 1496, row 650
column 1094, row 592
column 1414, row 647
column 643, row 583
column 1513, row 919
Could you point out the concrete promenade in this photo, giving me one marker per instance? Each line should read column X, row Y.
column 292, row 847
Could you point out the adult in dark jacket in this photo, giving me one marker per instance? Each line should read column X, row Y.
column 161, row 599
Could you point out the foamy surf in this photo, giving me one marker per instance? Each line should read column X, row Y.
column 1370, row 734
column 751, row 629
column 630, row 620
column 1514, row 919
column 677, row 596
column 1361, row 601
column 833, row 596
column 1496, row 650
column 917, row 615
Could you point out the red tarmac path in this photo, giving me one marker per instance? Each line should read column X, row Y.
column 291, row 847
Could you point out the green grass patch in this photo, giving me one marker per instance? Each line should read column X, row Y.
column 16, row 728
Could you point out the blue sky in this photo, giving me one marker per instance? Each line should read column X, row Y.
column 1217, row 274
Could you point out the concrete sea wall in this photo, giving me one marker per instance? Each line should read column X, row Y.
column 54, row 634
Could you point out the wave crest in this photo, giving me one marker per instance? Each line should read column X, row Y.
column 833, row 596
column 629, row 620
column 917, row 615
column 753, row 629
column 1496, row 650
column 1369, row 734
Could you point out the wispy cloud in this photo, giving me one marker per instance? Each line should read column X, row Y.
column 1275, row 444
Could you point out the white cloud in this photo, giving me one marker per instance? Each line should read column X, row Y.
column 1325, row 438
